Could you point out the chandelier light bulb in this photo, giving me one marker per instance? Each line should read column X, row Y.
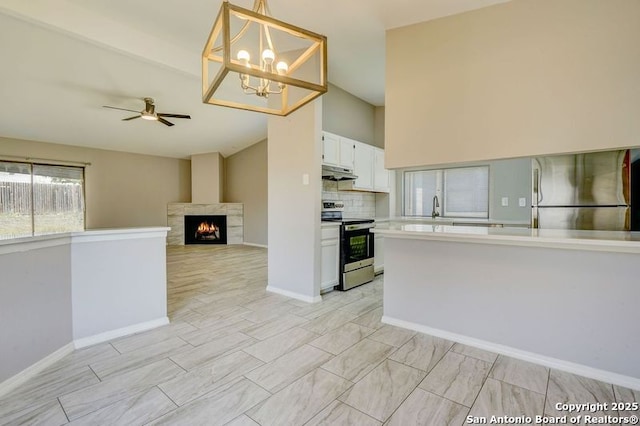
column 244, row 56
column 282, row 67
column 268, row 56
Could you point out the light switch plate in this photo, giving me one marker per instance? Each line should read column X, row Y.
column 522, row 202
column 305, row 179
column 505, row 201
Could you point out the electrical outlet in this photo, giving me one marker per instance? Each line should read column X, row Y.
column 522, row 202
column 505, row 201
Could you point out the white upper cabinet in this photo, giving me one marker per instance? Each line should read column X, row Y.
column 363, row 166
column 366, row 161
column 347, row 148
column 380, row 174
column 337, row 150
column 330, row 149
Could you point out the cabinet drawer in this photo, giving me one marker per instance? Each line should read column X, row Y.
column 330, row 233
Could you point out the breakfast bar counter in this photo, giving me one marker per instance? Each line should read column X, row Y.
column 614, row 241
column 564, row 299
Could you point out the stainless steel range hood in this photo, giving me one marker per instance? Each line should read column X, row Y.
column 337, row 173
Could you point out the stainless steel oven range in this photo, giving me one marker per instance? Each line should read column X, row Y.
column 356, row 246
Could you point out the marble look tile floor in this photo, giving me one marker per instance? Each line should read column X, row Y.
column 237, row 355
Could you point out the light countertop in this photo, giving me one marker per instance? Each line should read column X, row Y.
column 104, row 234
column 611, row 241
column 452, row 220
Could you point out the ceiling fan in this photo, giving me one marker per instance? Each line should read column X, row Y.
column 149, row 113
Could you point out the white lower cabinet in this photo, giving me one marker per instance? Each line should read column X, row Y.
column 378, row 253
column 330, row 255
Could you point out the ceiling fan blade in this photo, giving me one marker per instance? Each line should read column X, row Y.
column 165, row 122
column 131, row 118
column 174, row 115
column 121, row 109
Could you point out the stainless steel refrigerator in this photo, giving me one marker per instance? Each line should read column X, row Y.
column 582, row 191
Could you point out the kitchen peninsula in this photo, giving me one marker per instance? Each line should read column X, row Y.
column 564, row 299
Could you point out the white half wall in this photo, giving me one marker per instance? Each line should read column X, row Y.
column 35, row 305
column 76, row 288
column 294, row 191
column 117, row 282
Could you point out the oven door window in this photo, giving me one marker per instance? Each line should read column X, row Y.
column 358, row 246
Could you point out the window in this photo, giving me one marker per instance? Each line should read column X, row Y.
column 461, row 192
column 37, row 199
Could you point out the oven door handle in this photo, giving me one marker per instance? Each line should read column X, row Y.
column 358, row 226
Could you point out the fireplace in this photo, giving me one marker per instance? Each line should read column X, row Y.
column 207, row 229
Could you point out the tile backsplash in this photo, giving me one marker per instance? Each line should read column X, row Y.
column 356, row 204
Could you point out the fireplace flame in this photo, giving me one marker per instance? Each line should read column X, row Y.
column 206, row 228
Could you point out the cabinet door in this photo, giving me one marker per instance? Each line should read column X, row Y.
column 330, row 252
column 363, row 166
column 381, row 175
column 346, row 153
column 330, row 149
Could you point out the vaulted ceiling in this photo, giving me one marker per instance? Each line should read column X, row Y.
column 63, row 59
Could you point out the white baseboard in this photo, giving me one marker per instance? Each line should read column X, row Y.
column 293, row 295
column 34, row 369
column 120, row 332
column 255, row 245
column 558, row 364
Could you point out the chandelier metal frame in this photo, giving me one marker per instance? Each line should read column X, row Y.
column 222, row 54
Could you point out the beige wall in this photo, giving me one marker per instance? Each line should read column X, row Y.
column 295, row 186
column 122, row 189
column 347, row 115
column 521, row 78
column 207, row 176
column 246, row 182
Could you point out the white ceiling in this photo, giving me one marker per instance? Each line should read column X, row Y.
column 63, row 59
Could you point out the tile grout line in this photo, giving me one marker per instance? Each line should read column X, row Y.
column 178, row 365
column 262, row 387
column 165, row 394
column 114, row 348
column 546, row 394
column 483, row 382
column 96, row 374
column 417, row 385
column 345, row 403
column 63, row 410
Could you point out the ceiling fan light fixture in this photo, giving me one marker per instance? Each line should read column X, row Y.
column 149, row 113
column 289, row 69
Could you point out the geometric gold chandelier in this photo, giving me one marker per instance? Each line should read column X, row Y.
column 254, row 62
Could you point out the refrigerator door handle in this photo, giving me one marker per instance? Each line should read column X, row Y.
column 534, row 199
column 536, row 187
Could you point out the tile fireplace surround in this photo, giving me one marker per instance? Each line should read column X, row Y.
column 177, row 211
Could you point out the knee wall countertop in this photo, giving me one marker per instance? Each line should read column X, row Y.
column 609, row 241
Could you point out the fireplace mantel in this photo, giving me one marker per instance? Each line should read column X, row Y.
column 177, row 211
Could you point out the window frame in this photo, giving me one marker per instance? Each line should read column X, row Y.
column 31, row 165
column 440, row 191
